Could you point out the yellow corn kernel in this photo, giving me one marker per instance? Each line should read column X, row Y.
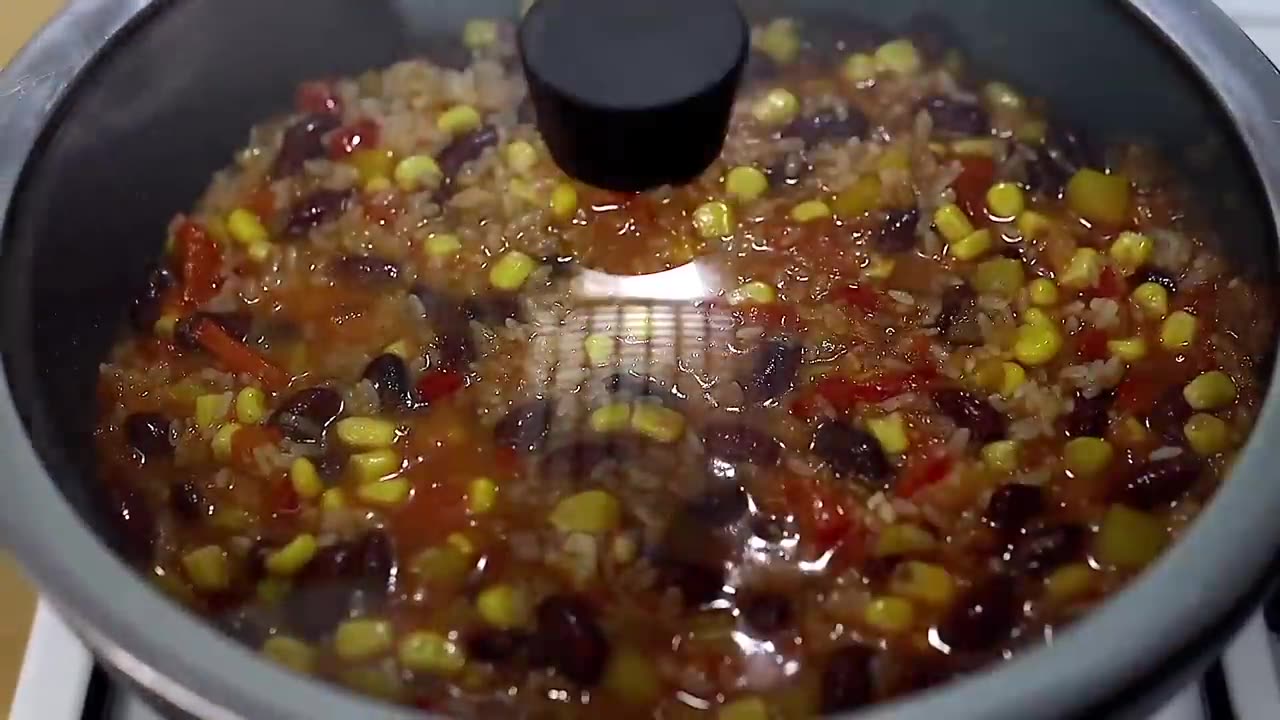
column 753, row 293
column 891, row 431
column 165, row 326
column 221, row 443
column 898, row 56
column 952, row 222
column 259, row 251
column 745, row 183
column 880, row 267
column 599, row 348
column 1037, row 316
column 460, row 542
column 362, row 639
column 1069, row 582
column 1001, row 95
column 333, row 499
column 292, row 557
column 1129, row 349
column 1131, row 251
column 1099, row 198
column 1129, row 432
column 482, row 495
column 1043, row 292
column 1001, row 455
column 366, row 433
column 810, row 211
column 430, row 652
column 1085, row 457
column 657, row 423
column 748, row 708
column 982, row 147
column 1128, row 538
column 1032, row 224
column 207, row 568
column 777, row 107
column 1178, row 330
column 512, row 270
column 212, row 409
column 624, row 549
column 503, row 606
column 1210, row 391
column 246, row 228
column 632, row 677
column 478, row 34
column 564, row 201
column 889, row 614
column 372, row 165
column 400, row 349
column 1012, row 377
column 417, row 171
column 859, row 69
column 305, row 479
column 378, row 185
column 290, row 652
column 903, row 539
column 895, row 157
column 1207, row 434
column 860, row 198
column 1152, row 299
column 523, row 190
column 1006, row 201
column 385, row 493
column 1037, row 343
column 999, row 276
column 271, row 590
column 375, row 465
column 972, row 247
column 923, row 582
column 780, row 40
column 592, row 511
column 614, row 417
column 521, row 156
column 713, row 220
column 251, row 406
column 442, row 245
column 1083, row 270
column 458, row 120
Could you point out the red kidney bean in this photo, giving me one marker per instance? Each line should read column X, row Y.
column 1160, row 482
column 315, row 209
column 847, row 679
column 366, row 269
column 972, row 413
column 569, row 638
column 983, row 618
column 1043, row 550
column 832, row 125
column 898, row 233
column 526, row 426
column 1012, row 506
column 1168, row 416
column 497, row 646
column 957, row 117
column 302, row 141
column 766, row 613
column 853, row 453
column 465, row 149
column 144, row 309
column 149, row 433
column 1089, row 416
column 957, row 319
column 777, row 363
column 306, row 415
column 737, row 442
column 390, row 379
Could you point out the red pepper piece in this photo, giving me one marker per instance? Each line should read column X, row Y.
column 923, row 470
column 317, row 98
column 1092, row 344
column 437, row 384
column 360, row 135
column 971, row 186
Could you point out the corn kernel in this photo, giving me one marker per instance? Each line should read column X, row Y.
column 1069, row 582
column 1001, row 95
column 442, row 245
column 246, row 228
column 1001, row 455
column 377, row 185
column 212, row 409
column 564, row 201
column 417, row 171
column 258, row 251
column 1099, row 198
column 952, row 222
column 1037, row 343
column 1032, row 224
column 290, row 652
column 458, row 120
column 1129, row 349
column 521, row 156
column 512, row 270
column 165, row 326
column 1178, row 330
column 400, row 349
column 366, row 433
column 889, row 614
column 271, row 590
column 251, row 406
column 657, row 423
column 1012, row 377
column 372, row 165
column 780, row 40
column 222, row 441
column 898, row 56
column 375, row 465
column 1085, row 457
column 1207, row 434
column 1037, row 316
column 972, row 247
column 292, row 557
column 632, row 677
column 624, row 549
column 305, row 479
column 385, row 493
column 891, row 431
column 753, row 293
column 860, row 198
column 1210, row 391
column 777, row 107
column 503, row 606
column 903, row 539
column 592, row 512
column 999, row 276
column 426, row 651
column 1152, row 299
column 880, row 267
column 523, row 190
column 333, row 499
column 745, row 183
column 748, row 708
column 1043, row 292
column 895, row 157
column 810, row 211
column 478, row 34
column 713, row 220
column 924, row 582
column 1083, row 270
column 599, row 348
column 362, row 639
column 1006, row 200
column 971, row 147
column 858, row 69
column 611, row 418
column 1131, row 251
column 1128, row 538
column 460, row 542
column 207, row 568
column 482, row 495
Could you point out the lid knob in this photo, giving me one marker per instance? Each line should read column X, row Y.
column 630, row 95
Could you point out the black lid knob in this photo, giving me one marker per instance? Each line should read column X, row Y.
column 632, row 95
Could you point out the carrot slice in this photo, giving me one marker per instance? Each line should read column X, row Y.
column 238, row 357
column 199, row 264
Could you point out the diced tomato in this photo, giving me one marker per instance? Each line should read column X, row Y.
column 1091, row 344
column 1111, row 284
column 437, row 384
column 262, row 201
column 977, row 176
column 199, row 264
column 360, row 135
column 317, row 98
column 926, row 468
column 381, row 209
column 857, row 296
column 844, row 394
column 804, row 406
column 283, row 499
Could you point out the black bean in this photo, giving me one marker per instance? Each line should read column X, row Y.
column 465, row 149
column 847, row 679
column 315, row 209
column 958, row 316
column 777, row 363
column 699, row 584
column 972, row 413
column 366, row 269
column 1072, row 149
column 134, row 523
column 898, row 233
column 831, row 125
column 570, row 638
column 1156, row 275
column 526, row 426
column 497, row 646
column 725, row 503
column 493, row 310
column 1160, row 482
column 341, row 579
column 737, row 442
column 1046, row 176
column 302, row 141
column 766, row 612
column 149, row 433
column 144, row 309
column 236, row 323
column 771, row 528
column 186, row 500
column 376, row 558
column 983, row 618
column 853, row 452
column 788, row 170
column 1089, row 416
column 1168, row 416
column 1012, row 506
column 306, row 414
column 390, row 379
column 1043, row 550
column 957, row 117
column 453, row 327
